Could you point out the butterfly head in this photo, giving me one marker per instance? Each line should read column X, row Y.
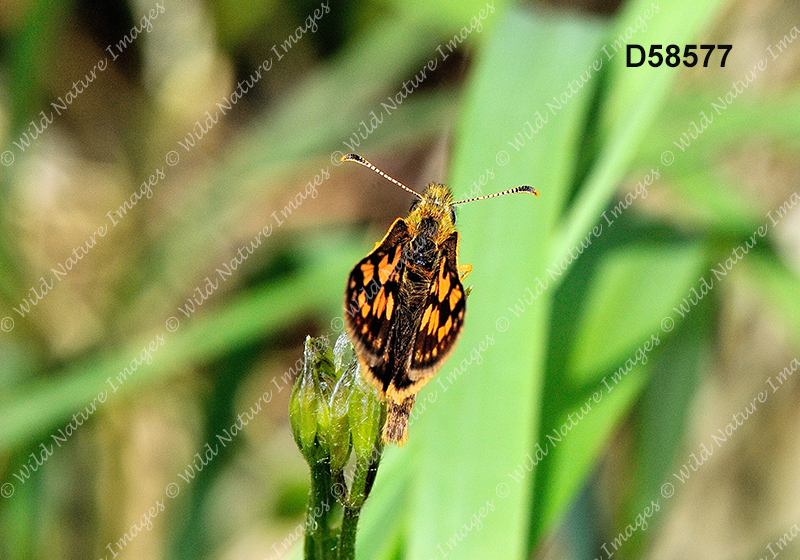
column 432, row 214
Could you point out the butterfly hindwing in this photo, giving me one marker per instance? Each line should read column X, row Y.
column 443, row 316
column 371, row 297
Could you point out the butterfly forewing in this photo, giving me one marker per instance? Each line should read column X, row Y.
column 442, row 316
column 371, row 297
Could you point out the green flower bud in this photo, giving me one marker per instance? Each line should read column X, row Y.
column 340, row 423
column 367, row 416
column 295, row 410
column 309, row 408
column 344, row 355
column 346, row 364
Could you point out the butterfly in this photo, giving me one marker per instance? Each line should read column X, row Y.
column 405, row 303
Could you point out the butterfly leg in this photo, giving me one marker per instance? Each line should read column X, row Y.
column 464, row 270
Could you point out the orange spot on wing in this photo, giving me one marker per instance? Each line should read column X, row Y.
column 384, row 270
column 389, row 306
column 425, row 317
column 380, row 302
column 455, row 295
column 434, row 321
column 445, row 329
column 368, row 271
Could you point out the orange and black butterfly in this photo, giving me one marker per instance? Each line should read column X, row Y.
column 404, row 302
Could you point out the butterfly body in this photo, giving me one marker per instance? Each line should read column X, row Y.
column 404, row 302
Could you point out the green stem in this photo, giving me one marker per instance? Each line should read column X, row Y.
column 347, row 538
column 317, row 539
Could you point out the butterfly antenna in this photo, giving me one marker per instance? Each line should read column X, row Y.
column 361, row 161
column 523, row 188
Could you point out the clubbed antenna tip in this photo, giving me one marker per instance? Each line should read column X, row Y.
column 522, row 188
column 361, row 161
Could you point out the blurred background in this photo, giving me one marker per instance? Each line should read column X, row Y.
column 174, row 222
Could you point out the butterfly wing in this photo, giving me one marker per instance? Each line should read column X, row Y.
column 442, row 318
column 371, row 299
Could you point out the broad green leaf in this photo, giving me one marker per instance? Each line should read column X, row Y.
column 383, row 523
column 633, row 290
column 662, row 418
column 468, row 442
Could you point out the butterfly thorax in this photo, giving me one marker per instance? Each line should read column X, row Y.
column 430, row 222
